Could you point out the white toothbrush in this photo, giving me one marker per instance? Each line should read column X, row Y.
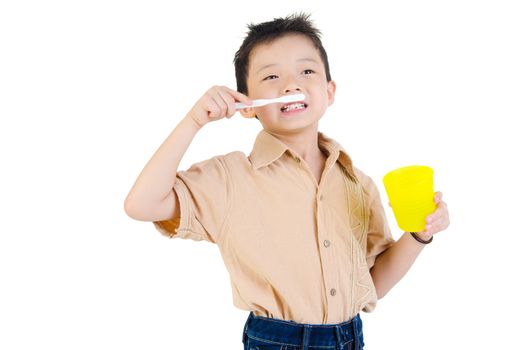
column 267, row 101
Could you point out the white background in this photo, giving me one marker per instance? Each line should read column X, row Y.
column 90, row 89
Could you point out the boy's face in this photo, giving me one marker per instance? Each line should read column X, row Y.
column 286, row 66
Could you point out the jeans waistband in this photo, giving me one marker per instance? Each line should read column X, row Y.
column 302, row 334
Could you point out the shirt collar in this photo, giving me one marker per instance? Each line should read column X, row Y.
column 268, row 148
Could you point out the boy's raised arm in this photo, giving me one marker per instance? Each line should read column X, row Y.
column 151, row 197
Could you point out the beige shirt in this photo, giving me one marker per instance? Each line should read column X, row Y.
column 295, row 250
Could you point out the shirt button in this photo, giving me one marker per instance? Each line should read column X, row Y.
column 321, row 197
column 332, row 292
column 326, row 243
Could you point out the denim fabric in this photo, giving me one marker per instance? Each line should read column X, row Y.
column 261, row 333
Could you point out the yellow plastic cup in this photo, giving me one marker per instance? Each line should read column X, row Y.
column 411, row 195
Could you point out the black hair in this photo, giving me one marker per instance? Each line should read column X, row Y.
column 267, row 32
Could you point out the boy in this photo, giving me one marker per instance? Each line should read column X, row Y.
column 301, row 230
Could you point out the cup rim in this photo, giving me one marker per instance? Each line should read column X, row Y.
column 388, row 177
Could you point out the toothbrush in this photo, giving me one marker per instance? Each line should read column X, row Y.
column 267, row 101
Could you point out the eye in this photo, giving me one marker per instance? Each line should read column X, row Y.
column 308, row 71
column 270, row 77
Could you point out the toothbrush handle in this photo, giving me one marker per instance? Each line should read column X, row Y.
column 240, row 105
column 256, row 103
column 266, row 101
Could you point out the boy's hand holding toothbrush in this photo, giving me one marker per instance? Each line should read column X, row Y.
column 221, row 102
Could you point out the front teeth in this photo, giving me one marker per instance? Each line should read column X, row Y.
column 293, row 106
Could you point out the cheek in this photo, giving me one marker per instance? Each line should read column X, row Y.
column 267, row 110
column 319, row 100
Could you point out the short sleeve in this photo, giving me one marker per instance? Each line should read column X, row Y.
column 379, row 236
column 202, row 194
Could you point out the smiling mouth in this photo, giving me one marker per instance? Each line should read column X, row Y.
column 293, row 106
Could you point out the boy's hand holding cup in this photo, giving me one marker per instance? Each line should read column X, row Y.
column 415, row 205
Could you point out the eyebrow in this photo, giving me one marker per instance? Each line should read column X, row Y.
column 307, row 59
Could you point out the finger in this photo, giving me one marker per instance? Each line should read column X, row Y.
column 433, row 227
column 438, row 225
column 434, row 215
column 220, row 103
column 430, row 230
column 430, row 218
column 238, row 96
column 212, row 108
column 438, row 213
column 438, row 197
column 229, row 100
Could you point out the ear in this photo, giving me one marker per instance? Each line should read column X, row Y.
column 330, row 90
column 248, row 112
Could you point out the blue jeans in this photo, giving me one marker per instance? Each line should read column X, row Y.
column 262, row 333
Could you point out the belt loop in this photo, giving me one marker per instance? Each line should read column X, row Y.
column 306, row 337
column 338, row 336
column 356, row 333
column 244, row 335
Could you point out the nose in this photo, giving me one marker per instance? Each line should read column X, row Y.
column 292, row 86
